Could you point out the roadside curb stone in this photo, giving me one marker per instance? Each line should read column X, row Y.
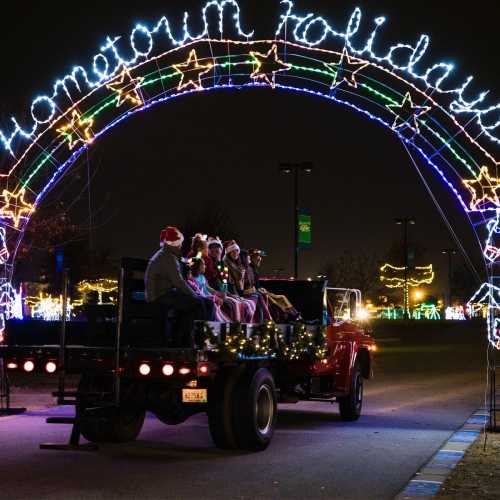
column 428, row 480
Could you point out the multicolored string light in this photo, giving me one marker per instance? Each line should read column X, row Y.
column 385, row 87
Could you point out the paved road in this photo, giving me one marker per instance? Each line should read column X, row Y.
column 427, row 383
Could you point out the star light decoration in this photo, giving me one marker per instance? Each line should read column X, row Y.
column 348, row 67
column 127, row 88
column 407, row 113
column 191, row 71
column 267, row 65
column 15, row 207
column 77, row 130
column 484, row 189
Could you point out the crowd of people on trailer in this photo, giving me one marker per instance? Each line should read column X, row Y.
column 216, row 281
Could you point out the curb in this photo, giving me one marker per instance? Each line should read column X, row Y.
column 428, row 480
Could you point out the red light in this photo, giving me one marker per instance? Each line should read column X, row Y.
column 50, row 367
column 184, row 371
column 144, row 369
column 168, row 370
column 12, row 366
column 28, row 366
column 203, row 369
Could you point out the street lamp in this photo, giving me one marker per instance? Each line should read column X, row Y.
column 404, row 222
column 450, row 252
column 295, row 169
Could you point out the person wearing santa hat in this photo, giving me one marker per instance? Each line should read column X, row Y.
column 164, row 284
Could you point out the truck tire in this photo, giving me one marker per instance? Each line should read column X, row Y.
column 255, row 410
column 106, row 425
column 220, row 409
column 350, row 406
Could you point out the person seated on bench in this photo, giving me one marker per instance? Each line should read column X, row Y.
column 236, row 279
column 280, row 307
column 251, row 292
column 199, row 247
column 198, row 282
column 164, row 284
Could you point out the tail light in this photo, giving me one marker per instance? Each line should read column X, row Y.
column 144, row 369
column 28, row 366
column 203, row 369
column 12, row 366
column 168, row 370
column 50, row 367
column 185, row 371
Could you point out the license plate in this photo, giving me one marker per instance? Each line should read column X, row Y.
column 194, row 396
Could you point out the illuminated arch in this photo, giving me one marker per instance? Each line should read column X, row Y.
column 413, row 105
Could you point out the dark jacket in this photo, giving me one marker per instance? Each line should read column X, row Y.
column 163, row 274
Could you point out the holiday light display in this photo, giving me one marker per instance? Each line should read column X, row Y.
column 488, row 296
column 347, row 67
column 406, row 113
column 491, row 252
column 127, row 89
column 306, row 54
column 426, row 311
column 191, row 72
column 48, row 308
column 77, row 130
column 484, row 189
column 99, row 286
column 4, row 251
column 267, row 65
column 455, row 313
column 15, row 208
column 393, row 276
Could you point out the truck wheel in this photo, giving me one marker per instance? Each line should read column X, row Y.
column 220, row 409
column 101, row 425
column 350, row 405
column 255, row 410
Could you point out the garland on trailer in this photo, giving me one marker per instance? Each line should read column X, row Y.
column 304, row 343
column 267, row 340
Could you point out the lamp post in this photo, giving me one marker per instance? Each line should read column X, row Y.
column 450, row 252
column 404, row 222
column 295, row 169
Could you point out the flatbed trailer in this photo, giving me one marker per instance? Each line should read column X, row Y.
column 235, row 373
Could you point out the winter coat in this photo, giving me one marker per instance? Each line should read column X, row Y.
column 163, row 274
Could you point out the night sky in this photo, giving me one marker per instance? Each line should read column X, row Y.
column 160, row 165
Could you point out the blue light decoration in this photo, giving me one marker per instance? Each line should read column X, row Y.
column 305, row 54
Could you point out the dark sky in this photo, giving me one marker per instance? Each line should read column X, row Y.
column 159, row 166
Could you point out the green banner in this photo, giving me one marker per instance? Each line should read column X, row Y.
column 305, row 230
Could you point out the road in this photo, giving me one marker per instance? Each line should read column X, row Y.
column 429, row 379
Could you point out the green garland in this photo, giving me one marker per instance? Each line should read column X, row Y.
column 267, row 340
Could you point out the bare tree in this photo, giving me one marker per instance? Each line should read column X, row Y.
column 212, row 219
column 354, row 270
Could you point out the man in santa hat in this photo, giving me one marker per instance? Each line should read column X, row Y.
column 164, row 284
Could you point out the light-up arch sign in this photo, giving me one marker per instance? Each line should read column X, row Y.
column 455, row 133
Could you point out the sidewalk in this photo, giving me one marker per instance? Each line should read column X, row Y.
column 463, row 468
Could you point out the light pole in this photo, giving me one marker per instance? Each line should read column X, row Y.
column 450, row 252
column 295, row 169
column 404, row 222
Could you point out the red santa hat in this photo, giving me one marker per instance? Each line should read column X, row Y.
column 171, row 236
column 231, row 246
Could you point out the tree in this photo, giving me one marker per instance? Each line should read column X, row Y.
column 354, row 270
column 211, row 219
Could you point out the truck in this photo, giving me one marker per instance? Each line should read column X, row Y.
column 235, row 373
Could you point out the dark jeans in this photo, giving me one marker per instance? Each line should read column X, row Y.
column 189, row 309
